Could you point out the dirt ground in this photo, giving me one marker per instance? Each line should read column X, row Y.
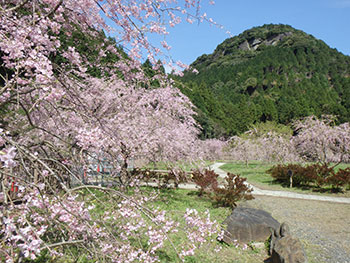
column 322, row 227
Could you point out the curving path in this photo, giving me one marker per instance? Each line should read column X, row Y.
column 258, row 191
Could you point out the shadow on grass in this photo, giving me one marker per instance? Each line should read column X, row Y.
column 164, row 257
column 306, row 187
column 193, row 193
column 330, row 190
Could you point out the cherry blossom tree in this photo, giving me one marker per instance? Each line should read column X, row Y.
column 212, row 149
column 343, row 142
column 243, row 149
column 54, row 95
column 268, row 147
column 54, row 115
column 274, row 147
column 321, row 140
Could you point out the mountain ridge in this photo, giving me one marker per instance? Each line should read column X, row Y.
column 269, row 73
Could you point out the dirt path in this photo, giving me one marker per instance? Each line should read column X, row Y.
column 323, row 227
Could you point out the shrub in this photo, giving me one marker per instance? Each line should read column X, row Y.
column 207, row 181
column 318, row 174
column 323, row 173
column 341, row 178
column 300, row 175
column 234, row 189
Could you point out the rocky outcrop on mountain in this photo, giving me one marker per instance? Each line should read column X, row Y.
column 254, row 43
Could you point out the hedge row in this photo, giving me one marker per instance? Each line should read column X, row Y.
column 316, row 174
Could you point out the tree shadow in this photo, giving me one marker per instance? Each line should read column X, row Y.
column 306, row 187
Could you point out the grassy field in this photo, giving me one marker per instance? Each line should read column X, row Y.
column 175, row 202
column 256, row 175
column 185, row 166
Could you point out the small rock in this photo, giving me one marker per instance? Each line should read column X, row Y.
column 285, row 248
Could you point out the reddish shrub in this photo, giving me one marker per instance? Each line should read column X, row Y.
column 341, row 178
column 234, row 190
column 300, row 175
column 323, row 173
column 319, row 174
column 207, row 181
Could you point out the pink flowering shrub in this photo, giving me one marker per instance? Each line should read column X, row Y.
column 123, row 229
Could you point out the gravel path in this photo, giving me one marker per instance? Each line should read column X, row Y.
column 258, row 191
column 323, row 227
column 321, row 223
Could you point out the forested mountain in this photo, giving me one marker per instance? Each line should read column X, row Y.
column 268, row 73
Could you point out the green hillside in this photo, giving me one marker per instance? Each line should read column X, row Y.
column 268, row 73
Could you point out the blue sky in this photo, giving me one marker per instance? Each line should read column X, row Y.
column 328, row 20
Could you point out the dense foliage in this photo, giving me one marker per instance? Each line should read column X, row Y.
column 228, row 194
column 316, row 174
column 268, row 73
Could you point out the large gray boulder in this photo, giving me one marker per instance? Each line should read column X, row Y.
column 248, row 224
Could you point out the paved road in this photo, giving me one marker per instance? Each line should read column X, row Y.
column 258, row 191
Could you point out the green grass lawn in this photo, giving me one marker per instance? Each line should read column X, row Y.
column 257, row 176
column 186, row 166
column 175, row 202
